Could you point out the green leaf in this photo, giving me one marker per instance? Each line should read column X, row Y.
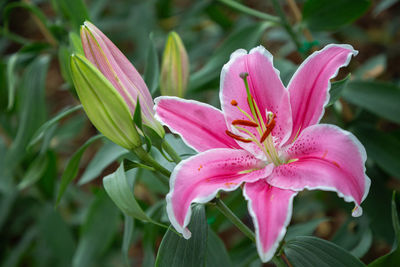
column 377, row 97
column 217, row 255
column 28, row 237
column 12, row 79
column 336, row 90
column 152, row 70
column 71, row 170
column 392, row 258
column 64, row 61
column 245, row 38
column 97, row 231
column 355, row 236
column 330, row 15
column 121, row 193
column 47, row 125
column 383, row 5
column 57, row 236
column 303, row 229
column 383, row 148
column 310, row 251
column 74, row 10
column 36, row 11
column 35, row 171
column 179, row 252
column 32, row 113
column 372, row 68
column 6, row 204
column 129, row 224
column 137, row 115
column 107, row 154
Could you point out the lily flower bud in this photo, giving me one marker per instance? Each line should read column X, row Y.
column 175, row 67
column 104, row 106
column 117, row 69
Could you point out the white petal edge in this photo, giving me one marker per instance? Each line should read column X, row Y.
column 267, row 256
column 357, row 211
column 171, row 216
column 345, row 46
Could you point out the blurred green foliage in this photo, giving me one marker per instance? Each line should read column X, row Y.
column 44, row 134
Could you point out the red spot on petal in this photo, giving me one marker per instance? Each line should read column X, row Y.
column 336, row 164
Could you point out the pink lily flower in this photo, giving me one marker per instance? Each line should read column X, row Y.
column 266, row 137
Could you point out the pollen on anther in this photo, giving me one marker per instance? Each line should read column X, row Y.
column 244, row 123
column 237, row 137
column 234, row 102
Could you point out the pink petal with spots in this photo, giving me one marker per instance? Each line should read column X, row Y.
column 117, row 69
column 328, row 158
column 265, row 86
column 310, row 84
column 201, row 126
column 271, row 210
column 199, row 178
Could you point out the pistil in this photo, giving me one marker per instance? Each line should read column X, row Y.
column 255, row 120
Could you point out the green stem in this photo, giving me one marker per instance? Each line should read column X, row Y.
column 234, row 219
column 171, row 152
column 285, row 23
column 144, row 156
column 250, row 11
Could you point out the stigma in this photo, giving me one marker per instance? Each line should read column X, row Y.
column 254, row 128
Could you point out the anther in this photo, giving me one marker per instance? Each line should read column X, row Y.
column 245, row 123
column 234, row 102
column 269, row 129
column 237, row 137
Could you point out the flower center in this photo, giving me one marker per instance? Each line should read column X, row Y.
column 255, row 120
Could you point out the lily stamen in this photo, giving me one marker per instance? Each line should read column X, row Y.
column 267, row 132
column 237, row 137
column 244, row 123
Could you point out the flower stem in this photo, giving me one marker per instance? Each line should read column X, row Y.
column 285, row 23
column 234, row 219
column 171, row 152
column 144, row 156
column 250, row 11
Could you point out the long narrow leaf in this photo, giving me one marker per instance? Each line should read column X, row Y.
column 71, row 170
column 121, row 193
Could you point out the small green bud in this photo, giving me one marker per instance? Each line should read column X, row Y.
column 103, row 104
column 174, row 68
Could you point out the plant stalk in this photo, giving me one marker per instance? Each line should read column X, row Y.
column 286, row 24
column 225, row 210
column 250, row 11
column 171, row 152
column 144, row 156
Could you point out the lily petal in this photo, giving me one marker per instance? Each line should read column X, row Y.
column 271, row 210
column 265, row 86
column 328, row 158
column 199, row 178
column 201, row 126
column 310, row 84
